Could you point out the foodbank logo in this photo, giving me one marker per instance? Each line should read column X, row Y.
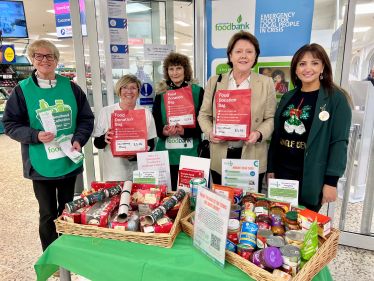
column 179, row 141
column 229, row 163
column 232, row 26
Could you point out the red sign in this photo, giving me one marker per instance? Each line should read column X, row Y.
column 136, row 41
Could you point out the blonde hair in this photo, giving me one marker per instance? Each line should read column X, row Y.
column 125, row 80
column 34, row 46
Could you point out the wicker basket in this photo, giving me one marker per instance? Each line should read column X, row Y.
column 164, row 240
column 323, row 256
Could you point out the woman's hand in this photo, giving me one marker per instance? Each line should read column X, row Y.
column 330, row 193
column 107, row 135
column 253, row 137
column 169, row 131
column 213, row 138
column 180, row 129
column 76, row 146
column 45, row 137
column 269, row 176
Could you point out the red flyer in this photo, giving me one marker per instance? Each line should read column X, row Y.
column 130, row 132
column 233, row 114
column 180, row 107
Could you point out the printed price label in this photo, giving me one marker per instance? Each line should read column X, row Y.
column 231, row 130
column 181, row 120
column 130, row 145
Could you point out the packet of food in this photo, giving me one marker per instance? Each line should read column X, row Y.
column 310, row 245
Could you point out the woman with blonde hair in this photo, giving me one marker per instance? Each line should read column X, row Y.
column 121, row 168
column 53, row 174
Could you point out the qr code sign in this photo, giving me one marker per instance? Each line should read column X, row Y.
column 215, row 242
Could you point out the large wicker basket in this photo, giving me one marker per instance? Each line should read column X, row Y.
column 164, row 240
column 323, row 256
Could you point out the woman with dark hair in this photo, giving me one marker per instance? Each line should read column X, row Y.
column 242, row 54
column 279, row 82
column 311, row 129
column 177, row 74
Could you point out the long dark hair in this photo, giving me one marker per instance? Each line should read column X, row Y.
column 318, row 52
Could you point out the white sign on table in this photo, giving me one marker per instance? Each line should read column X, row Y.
column 195, row 163
column 284, row 190
column 156, row 161
column 241, row 173
column 157, row 52
column 210, row 228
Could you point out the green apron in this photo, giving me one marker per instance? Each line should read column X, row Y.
column 48, row 159
column 176, row 145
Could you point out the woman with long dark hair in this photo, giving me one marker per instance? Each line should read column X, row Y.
column 311, row 129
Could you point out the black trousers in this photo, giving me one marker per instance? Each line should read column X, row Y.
column 51, row 205
column 282, row 172
column 174, row 171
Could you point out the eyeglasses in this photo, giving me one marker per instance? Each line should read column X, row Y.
column 132, row 89
column 40, row 57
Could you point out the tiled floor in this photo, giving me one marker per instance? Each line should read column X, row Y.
column 20, row 246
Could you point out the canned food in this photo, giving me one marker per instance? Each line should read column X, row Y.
column 195, row 183
column 249, row 233
column 244, row 250
column 247, row 216
column 295, row 238
column 230, row 246
column 274, row 241
column 262, row 234
column 234, row 215
column 267, row 258
column 291, row 259
column 236, row 209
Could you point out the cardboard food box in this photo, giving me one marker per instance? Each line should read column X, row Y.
column 224, row 191
column 306, row 217
column 100, row 213
column 238, row 195
column 145, row 200
column 185, row 176
column 124, row 225
column 162, row 188
column 162, row 225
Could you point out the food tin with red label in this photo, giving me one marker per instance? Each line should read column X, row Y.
column 233, row 232
column 262, row 234
column 244, row 250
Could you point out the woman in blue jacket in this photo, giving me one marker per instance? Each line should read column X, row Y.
column 311, row 129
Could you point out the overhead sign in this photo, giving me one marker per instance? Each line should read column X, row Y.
column 63, row 20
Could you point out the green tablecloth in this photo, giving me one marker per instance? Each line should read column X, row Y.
column 116, row 260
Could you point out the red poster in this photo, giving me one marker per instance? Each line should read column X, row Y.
column 180, row 107
column 233, row 114
column 130, row 132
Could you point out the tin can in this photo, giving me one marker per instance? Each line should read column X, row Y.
column 249, row 233
column 195, row 183
column 234, row 215
column 244, row 250
column 274, row 241
column 236, row 209
column 230, row 246
column 247, row 215
column 262, row 234
column 291, row 259
column 295, row 238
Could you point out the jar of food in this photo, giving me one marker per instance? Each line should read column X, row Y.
column 234, row 215
column 262, row 235
column 278, row 210
column 248, row 203
column 291, row 259
column 262, row 206
column 268, row 258
column 291, row 221
column 295, row 238
column 274, row 241
column 263, row 221
column 236, row 208
column 276, row 224
column 233, row 231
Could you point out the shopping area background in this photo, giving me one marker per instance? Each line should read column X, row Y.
column 141, row 31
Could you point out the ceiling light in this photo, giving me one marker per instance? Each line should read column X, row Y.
column 184, row 50
column 365, row 9
column 354, row 40
column 361, row 29
column 182, row 23
column 136, row 8
column 51, row 39
column 51, row 11
column 61, row 46
column 86, row 55
column 176, row 37
column 184, row 54
column 187, row 44
column 52, row 34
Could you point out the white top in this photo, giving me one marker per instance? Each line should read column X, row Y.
column 117, row 168
column 232, row 86
column 45, row 83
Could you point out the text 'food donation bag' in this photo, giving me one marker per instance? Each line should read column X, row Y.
column 130, row 132
column 180, row 107
column 233, row 114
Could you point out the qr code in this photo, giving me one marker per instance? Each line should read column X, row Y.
column 215, row 242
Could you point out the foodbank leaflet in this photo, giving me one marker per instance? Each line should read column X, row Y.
column 180, row 107
column 130, row 132
column 233, row 114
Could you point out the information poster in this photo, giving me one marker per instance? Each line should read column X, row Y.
column 117, row 21
column 195, row 163
column 156, row 161
column 157, row 52
column 284, row 190
column 146, row 177
column 241, row 173
column 210, row 228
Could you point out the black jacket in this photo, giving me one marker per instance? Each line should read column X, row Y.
column 369, row 78
column 17, row 126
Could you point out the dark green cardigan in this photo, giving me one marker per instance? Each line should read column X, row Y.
column 326, row 149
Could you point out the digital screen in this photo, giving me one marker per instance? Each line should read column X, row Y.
column 12, row 19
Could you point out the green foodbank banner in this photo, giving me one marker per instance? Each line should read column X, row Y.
column 281, row 27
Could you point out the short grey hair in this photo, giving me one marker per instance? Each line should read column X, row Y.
column 34, row 46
